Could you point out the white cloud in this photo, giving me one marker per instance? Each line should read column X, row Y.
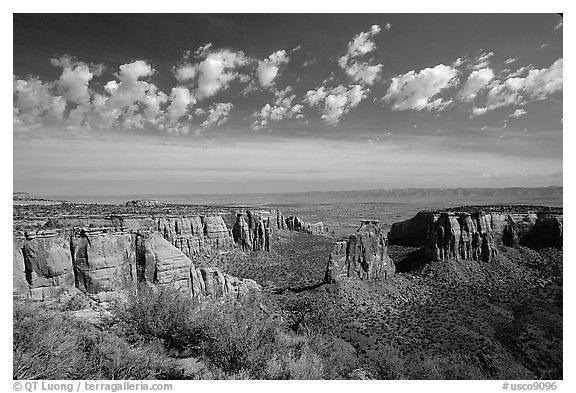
column 477, row 80
column 216, row 70
column 180, row 100
column 482, row 61
column 362, row 43
column 267, row 69
column 388, row 26
column 335, row 102
column 185, row 73
column 282, row 108
column 360, row 72
column 541, row 83
column 509, row 60
column 537, row 85
column 75, row 77
column 498, row 96
column 217, row 114
column 416, row 90
column 34, row 101
column 519, row 72
column 364, row 73
column 517, row 113
column 458, row 62
column 73, row 84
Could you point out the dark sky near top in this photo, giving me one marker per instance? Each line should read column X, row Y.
column 368, row 100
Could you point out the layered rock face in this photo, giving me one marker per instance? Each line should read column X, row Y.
column 241, row 233
column 45, row 270
column 363, row 256
column 110, row 260
column 259, row 230
column 198, row 235
column 460, row 236
column 476, row 234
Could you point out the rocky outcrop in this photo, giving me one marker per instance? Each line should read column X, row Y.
column 198, row 235
column 363, row 256
column 546, row 232
column 460, row 236
column 314, row 229
column 260, row 230
column 475, row 233
column 44, row 271
column 111, row 260
column 294, row 223
column 164, row 264
column 241, row 233
column 411, row 232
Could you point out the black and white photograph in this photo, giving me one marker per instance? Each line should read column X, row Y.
column 286, row 196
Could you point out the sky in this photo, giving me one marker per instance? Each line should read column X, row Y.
column 117, row 104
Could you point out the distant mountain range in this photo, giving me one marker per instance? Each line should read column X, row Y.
column 552, row 195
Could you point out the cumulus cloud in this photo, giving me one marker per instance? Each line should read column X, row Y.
column 362, row 43
column 213, row 72
column 537, row 85
column 180, row 100
column 34, row 101
column 217, row 114
column 360, row 72
column 541, row 83
column 509, row 60
column 185, row 73
column 282, row 108
column 476, row 81
column 518, row 112
column 364, row 73
column 417, row 90
column 267, row 69
column 217, row 71
column 498, row 96
column 335, row 102
column 75, row 77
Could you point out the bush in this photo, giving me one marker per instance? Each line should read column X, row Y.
column 158, row 313
column 49, row 346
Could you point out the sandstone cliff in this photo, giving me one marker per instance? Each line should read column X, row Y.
column 110, row 261
column 363, row 256
column 476, row 233
column 198, row 235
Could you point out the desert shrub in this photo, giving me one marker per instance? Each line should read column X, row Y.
column 158, row 313
column 237, row 339
column 78, row 301
column 50, row 346
column 306, row 314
